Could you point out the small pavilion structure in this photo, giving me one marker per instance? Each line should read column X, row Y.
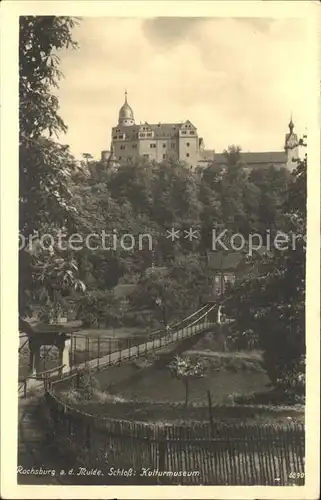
column 41, row 334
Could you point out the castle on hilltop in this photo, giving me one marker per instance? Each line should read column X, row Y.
column 180, row 142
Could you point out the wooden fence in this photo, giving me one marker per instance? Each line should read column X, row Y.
column 201, row 454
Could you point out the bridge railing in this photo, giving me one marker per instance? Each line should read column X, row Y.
column 44, row 378
column 100, row 352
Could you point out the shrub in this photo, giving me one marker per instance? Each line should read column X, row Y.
column 87, row 384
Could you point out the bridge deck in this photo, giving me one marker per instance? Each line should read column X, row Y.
column 151, row 344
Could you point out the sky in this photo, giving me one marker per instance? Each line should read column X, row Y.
column 236, row 79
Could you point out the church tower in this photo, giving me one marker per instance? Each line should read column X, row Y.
column 291, row 147
column 126, row 115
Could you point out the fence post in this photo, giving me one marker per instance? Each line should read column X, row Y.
column 86, row 350
column 210, row 410
column 98, row 347
column 74, row 349
column 71, row 351
column 161, row 453
column 88, row 436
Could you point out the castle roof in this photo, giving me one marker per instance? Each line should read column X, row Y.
column 168, row 129
column 123, row 290
column 225, row 260
column 262, row 158
column 207, row 154
column 161, row 130
column 165, row 129
column 126, row 111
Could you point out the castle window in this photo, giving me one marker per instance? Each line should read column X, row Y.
column 149, row 134
column 183, row 131
column 134, row 145
column 187, row 154
column 187, row 144
column 115, row 137
column 164, row 145
column 119, row 157
column 192, row 132
column 152, row 145
column 122, row 146
column 164, row 156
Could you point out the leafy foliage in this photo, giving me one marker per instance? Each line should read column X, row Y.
column 98, row 307
column 87, row 383
column 183, row 287
column 271, row 307
column 45, row 166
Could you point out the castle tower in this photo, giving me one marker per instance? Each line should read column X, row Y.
column 291, row 146
column 126, row 115
column 112, row 160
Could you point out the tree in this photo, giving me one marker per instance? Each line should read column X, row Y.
column 87, row 157
column 152, row 287
column 273, row 186
column 98, row 307
column 185, row 370
column 161, row 196
column 272, row 306
column 45, row 166
column 183, row 286
column 229, row 200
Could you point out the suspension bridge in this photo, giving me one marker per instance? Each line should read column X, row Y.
column 77, row 351
column 98, row 355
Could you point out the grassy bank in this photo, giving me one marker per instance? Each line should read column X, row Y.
column 111, row 406
column 144, row 391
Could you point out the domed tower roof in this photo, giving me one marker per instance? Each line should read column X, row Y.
column 126, row 114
